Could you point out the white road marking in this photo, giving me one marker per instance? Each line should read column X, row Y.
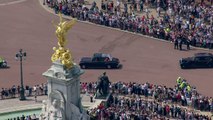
column 13, row 2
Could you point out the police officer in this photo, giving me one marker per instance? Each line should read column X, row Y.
column 176, row 44
column 188, row 88
column 180, row 44
column 188, row 44
column 179, row 81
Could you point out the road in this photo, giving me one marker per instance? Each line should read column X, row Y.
column 28, row 26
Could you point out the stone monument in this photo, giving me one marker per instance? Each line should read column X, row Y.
column 64, row 101
column 103, row 87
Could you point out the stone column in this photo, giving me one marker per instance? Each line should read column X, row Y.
column 64, row 86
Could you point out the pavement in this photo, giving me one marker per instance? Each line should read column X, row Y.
column 15, row 105
column 90, row 105
column 12, row 108
column 27, row 25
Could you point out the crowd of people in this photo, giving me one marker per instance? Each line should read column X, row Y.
column 136, row 108
column 183, row 93
column 148, row 101
column 185, row 21
column 139, row 101
column 14, row 91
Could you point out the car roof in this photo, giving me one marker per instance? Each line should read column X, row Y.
column 97, row 55
column 101, row 55
column 203, row 54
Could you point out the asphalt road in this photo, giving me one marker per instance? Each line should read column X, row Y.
column 28, row 26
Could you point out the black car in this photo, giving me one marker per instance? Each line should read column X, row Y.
column 100, row 60
column 199, row 60
column 3, row 63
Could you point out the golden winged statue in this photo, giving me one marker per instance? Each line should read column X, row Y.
column 61, row 53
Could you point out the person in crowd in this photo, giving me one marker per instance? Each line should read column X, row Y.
column 22, row 117
column 176, row 44
column 180, row 43
column 188, row 44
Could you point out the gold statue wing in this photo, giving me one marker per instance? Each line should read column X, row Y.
column 68, row 24
column 61, row 18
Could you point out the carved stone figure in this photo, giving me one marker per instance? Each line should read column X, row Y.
column 77, row 114
column 44, row 111
column 55, row 111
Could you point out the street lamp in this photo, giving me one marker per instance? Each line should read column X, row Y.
column 19, row 56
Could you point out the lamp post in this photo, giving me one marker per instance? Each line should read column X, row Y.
column 19, row 56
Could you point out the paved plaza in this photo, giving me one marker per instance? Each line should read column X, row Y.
column 28, row 25
column 14, row 104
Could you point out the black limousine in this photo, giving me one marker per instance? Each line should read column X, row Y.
column 199, row 60
column 100, row 60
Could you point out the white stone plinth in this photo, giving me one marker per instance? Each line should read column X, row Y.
column 64, row 102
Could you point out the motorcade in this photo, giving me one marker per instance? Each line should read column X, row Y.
column 199, row 60
column 100, row 60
